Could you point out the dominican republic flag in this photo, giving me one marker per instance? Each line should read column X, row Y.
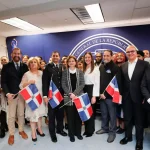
column 31, row 96
column 84, row 107
column 54, row 95
column 113, row 90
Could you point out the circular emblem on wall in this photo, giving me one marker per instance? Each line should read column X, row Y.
column 99, row 43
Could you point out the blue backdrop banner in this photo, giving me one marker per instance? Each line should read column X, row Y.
column 78, row 42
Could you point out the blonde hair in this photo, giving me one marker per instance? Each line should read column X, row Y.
column 31, row 59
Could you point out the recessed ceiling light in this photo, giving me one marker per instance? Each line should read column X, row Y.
column 95, row 12
column 16, row 22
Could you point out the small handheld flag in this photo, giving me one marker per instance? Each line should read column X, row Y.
column 31, row 96
column 84, row 107
column 54, row 95
column 113, row 90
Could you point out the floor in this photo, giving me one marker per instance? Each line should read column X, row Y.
column 96, row 142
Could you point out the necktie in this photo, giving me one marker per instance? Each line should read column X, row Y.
column 56, row 66
column 17, row 66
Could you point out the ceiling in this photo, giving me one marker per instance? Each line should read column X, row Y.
column 56, row 16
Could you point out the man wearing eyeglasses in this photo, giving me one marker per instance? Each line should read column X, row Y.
column 98, row 59
column 132, row 74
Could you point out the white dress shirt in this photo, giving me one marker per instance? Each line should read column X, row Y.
column 93, row 78
column 131, row 67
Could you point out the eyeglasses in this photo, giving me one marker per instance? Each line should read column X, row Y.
column 130, row 52
column 98, row 56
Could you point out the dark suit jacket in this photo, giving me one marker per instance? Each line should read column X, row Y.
column 51, row 72
column 11, row 78
column 133, row 86
column 145, row 88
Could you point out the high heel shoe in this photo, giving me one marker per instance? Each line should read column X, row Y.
column 34, row 140
column 38, row 133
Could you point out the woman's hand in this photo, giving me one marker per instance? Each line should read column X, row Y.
column 72, row 96
column 93, row 100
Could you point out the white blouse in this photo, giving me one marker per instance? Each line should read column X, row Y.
column 93, row 78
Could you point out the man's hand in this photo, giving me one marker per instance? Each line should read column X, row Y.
column 10, row 97
column 46, row 100
column 102, row 96
column 93, row 100
column 72, row 96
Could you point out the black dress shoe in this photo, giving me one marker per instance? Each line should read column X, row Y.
column 89, row 135
column 80, row 137
column 2, row 133
column 54, row 139
column 139, row 145
column 38, row 133
column 72, row 139
column 125, row 140
column 84, row 133
column 62, row 133
column 34, row 140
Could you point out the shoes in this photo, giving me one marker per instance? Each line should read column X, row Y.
column 23, row 135
column 34, row 140
column 54, row 139
column 66, row 126
column 80, row 137
column 38, row 133
column 89, row 135
column 111, row 138
column 101, row 131
column 125, row 140
column 120, row 131
column 139, row 145
column 2, row 133
column 62, row 133
column 84, row 133
column 11, row 140
column 72, row 139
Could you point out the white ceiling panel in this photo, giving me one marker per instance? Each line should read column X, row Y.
column 120, row 10
column 21, row 3
column 141, row 13
column 142, row 3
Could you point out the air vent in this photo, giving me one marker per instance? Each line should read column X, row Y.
column 82, row 15
column 89, row 14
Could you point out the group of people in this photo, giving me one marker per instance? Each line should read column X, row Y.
column 74, row 77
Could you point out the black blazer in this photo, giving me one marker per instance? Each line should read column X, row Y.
column 11, row 78
column 145, row 88
column 133, row 86
column 51, row 72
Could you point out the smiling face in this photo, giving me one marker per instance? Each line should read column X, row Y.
column 16, row 55
column 131, row 53
column 71, row 62
column 107, row 57
column 42, row 65
column 55, row 57
column 88, row 59
column 33, row 64
column 4, row 60
column 120, row 57
column 80, row 65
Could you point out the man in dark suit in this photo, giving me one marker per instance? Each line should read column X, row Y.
column 54, row 71
column 132, row 74
column 10, row 79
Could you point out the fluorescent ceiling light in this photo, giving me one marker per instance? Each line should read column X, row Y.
column 16, row 22
column 95, row 12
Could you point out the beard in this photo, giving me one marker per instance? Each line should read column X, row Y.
column 16, row 58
